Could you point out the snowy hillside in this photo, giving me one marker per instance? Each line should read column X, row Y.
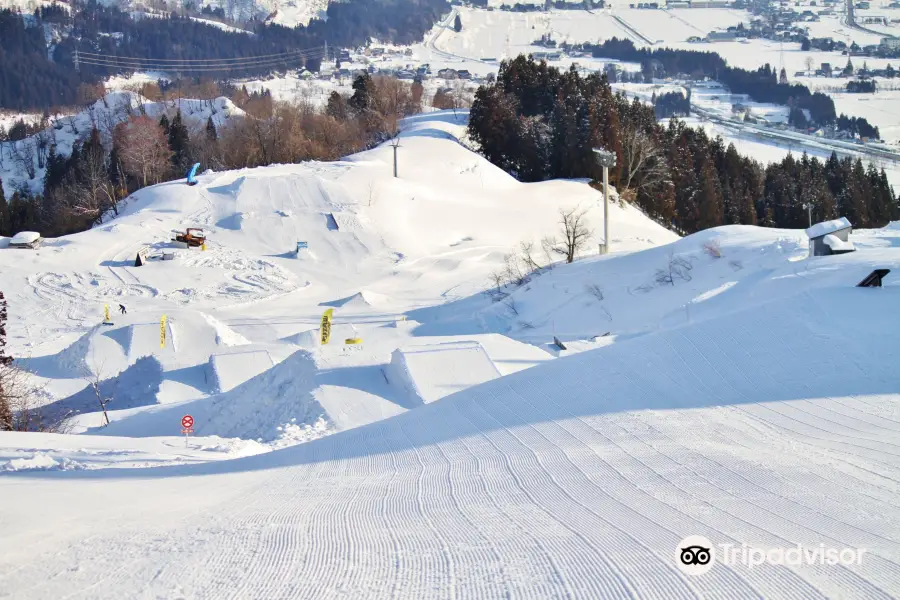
column 440, row 445
column 104, row 114
column 377, row 248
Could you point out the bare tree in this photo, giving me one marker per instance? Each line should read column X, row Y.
column 677, row 267
column 23, row 155
column 20, row 403
column 526, row 252
column 88, row 93
column 91, row 192
column 644, row 162
column 94, row 378
column 144, row 149
column 498, row 281
column 548, row 244
column 462, row 97
column 70, row 120
column 44, row 139
column 575, row 231
column 513, row 269
column 809, row 64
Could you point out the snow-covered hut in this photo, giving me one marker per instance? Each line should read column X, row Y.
column 26, row 239
column 830, row 237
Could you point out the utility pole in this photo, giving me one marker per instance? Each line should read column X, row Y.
column 606, row 159
column 395, row 143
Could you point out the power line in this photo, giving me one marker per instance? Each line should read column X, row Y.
column 196, row 65
column 113, row 64
column 314, row 50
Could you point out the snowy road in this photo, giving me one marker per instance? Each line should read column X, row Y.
column 575, row 478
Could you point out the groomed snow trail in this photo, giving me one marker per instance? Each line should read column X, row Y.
column 577, row 478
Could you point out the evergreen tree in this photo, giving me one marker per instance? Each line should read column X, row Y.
column 457, row 24
column 710, row 200
column 848, row 70
column 211, row 133
column 336, row 107
column 179, row 143
column 5, row 225
column 363, row 89
column 56, row 170
column 782, row 77
column 164, row 123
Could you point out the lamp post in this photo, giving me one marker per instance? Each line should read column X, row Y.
column 606, row 159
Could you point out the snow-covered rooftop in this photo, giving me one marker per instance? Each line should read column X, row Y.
column 837, row 244
column 826, row 227
column 25, row 237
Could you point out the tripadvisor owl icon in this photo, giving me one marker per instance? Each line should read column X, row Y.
column 695, row 555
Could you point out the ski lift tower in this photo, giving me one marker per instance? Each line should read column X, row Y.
column 606, row 159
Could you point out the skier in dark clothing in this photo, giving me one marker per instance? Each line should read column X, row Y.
column 122, row 308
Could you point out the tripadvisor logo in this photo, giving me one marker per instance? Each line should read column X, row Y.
column 695, row 555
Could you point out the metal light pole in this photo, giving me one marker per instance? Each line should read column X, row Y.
column 395, row 143
column 606, row 159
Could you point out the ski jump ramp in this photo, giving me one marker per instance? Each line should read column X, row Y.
column 232, row 369
column 429, row 373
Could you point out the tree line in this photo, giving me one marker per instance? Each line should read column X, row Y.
column 537, row 122
column 126, row 149
column 762, row 85
column 33, row 78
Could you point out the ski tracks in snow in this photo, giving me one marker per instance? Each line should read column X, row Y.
column 575, row 484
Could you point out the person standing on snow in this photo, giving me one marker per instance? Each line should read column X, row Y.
column 122, row 308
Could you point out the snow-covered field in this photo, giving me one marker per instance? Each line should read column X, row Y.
column 455, row 452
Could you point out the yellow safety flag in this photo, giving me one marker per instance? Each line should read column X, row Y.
column 162, row 332
column 106, row 318
column 326, row 325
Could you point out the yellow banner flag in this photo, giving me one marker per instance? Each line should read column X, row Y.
column 162, row 332
column 106, row 318
column 326, row 325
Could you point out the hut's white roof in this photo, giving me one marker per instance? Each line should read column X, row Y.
column 826, row 227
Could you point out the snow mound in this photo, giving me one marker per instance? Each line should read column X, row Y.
column 359, row 300
column 431, row 372
column 266, row 408
column 40, row 461
column 227, row 371
column 225, row 336
column 308, row 339
column 346, row 221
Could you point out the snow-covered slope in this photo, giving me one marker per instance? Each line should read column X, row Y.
column 377, row 247
column 714, row 272
column 751, row 399
column 773, row 425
